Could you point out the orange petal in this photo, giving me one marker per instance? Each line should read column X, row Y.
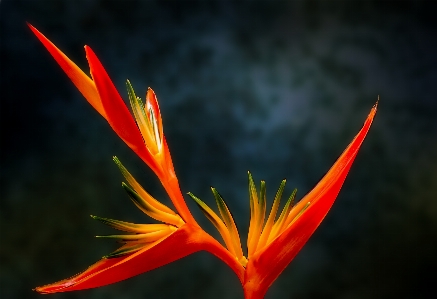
column 118, row 115
column 107, row 271
column 77, row 76
column 186, row 240
column 266, row 265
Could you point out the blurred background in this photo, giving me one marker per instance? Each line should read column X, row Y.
column 278, row 88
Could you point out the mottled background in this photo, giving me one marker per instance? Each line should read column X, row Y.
column 277, row 88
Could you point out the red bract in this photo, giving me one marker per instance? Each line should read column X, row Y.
column 273, row 241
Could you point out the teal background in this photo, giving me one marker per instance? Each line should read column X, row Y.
column 277, row 88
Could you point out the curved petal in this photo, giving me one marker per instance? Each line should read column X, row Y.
column 267, row 264
column 118, row 115
column 107, row 271
column 77, row 76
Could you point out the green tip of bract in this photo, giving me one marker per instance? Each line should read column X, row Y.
column 123, row 251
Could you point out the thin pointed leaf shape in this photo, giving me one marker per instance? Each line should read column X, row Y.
column 118, row 115
column 270, row 221
column 230, row 225
column 266, row 265
column 253, row 201
column 261, row 213
column 83, row 83
column 131, row 227
column 144, row 205
column 278, row 227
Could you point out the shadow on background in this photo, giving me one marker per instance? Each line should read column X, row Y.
column 276, row 88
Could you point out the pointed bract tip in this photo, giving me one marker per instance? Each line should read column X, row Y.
column 35, row 31
column 373, row 110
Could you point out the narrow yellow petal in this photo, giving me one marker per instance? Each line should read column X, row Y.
column 229, row 222
column 279, row 225
column 253, row 200
column 262, row 206
column 131, row 247
column 143, row 203
column 137, row 187
column 270, row 221
column 142, row 120
column 131, row 227
column 296, row 212
column 260, row 212
column 216, row 221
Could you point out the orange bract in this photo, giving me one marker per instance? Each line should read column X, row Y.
column 272, row 241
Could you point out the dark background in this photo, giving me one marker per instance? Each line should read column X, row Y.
column 276, row 88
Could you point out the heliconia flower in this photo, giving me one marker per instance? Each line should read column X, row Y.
column 272, row 242
column 145, row 246
column 144, row 134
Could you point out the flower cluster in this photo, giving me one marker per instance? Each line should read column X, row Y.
column 272, row 241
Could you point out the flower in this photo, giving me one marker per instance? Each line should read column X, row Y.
column 179, row 235
column 272, row 241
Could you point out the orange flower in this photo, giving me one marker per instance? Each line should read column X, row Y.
column 272, row 242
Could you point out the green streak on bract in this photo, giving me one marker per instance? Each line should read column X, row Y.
column 124, row 251
column 206, row 210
